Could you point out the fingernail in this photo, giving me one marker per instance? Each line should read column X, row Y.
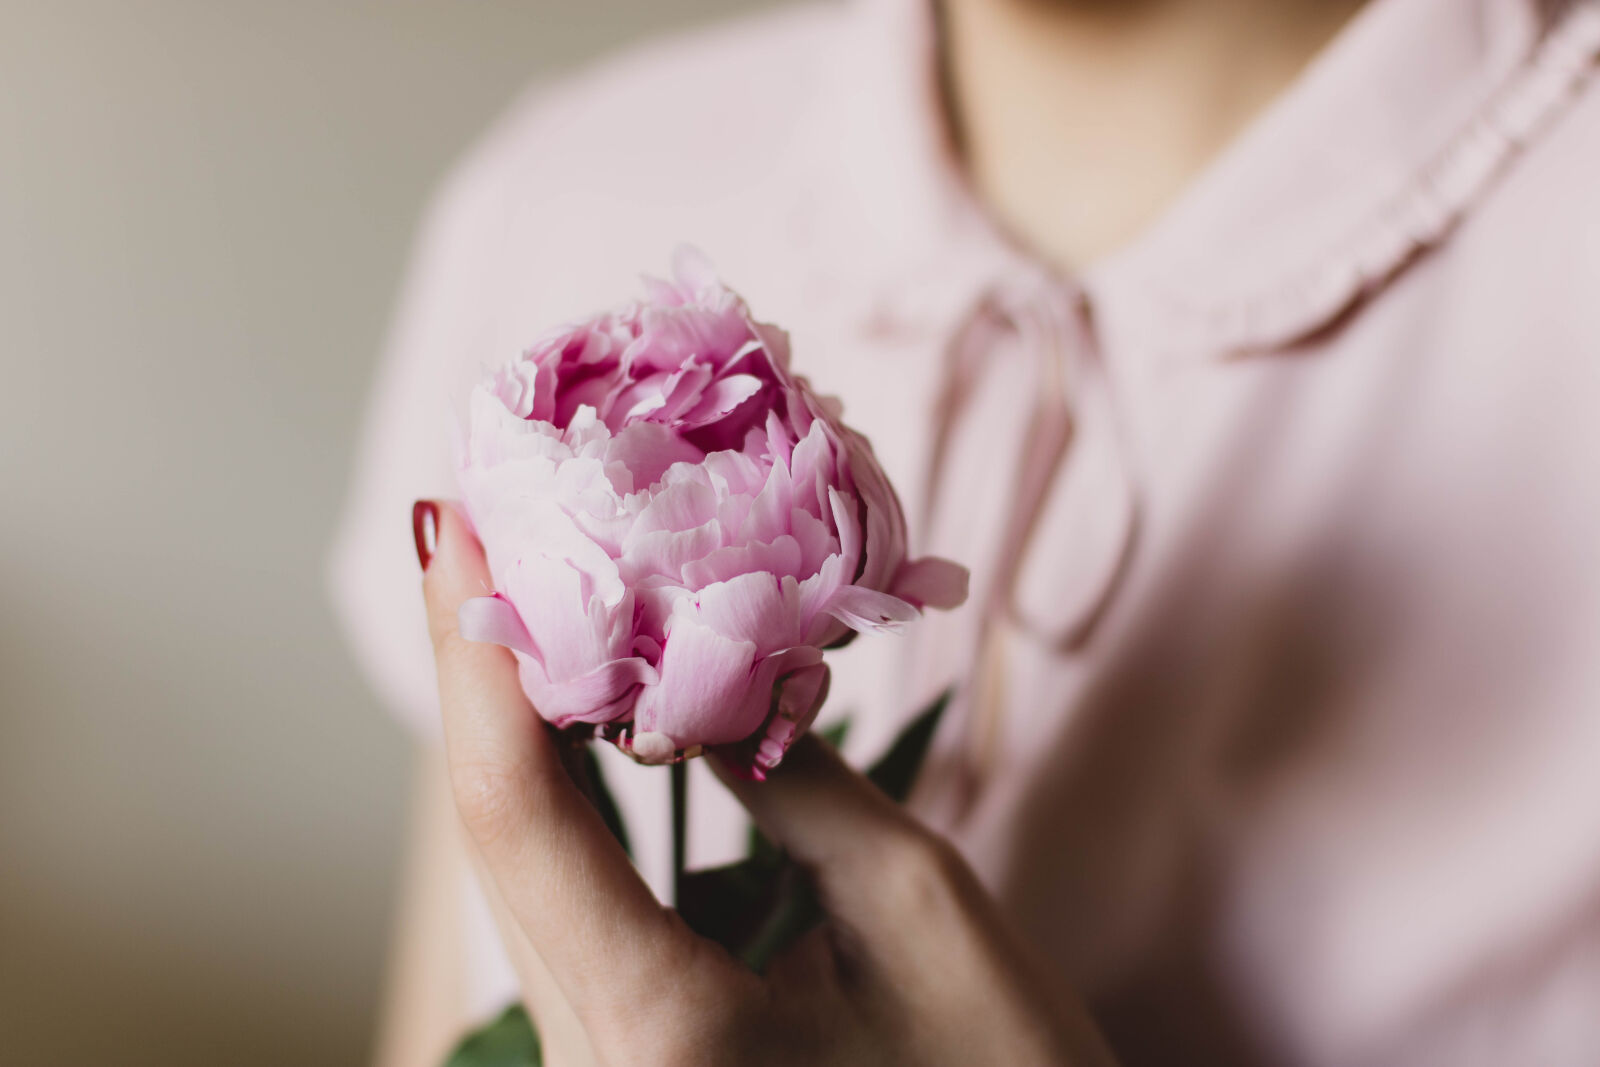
column 425, row 530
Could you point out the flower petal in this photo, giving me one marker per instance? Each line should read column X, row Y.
column 646, row 450
column 493, row 620
column 705, row 680
column 931, row 582
column 861, row 608
column 758, row 607
column 721, row 397
column 782, row 557
column 572, row 632
column 666, row 552
column 800, row 698
column 603, row 695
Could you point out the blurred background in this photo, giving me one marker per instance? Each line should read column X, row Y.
column 205, row 211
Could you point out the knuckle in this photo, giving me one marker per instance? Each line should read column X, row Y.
column 921, row 873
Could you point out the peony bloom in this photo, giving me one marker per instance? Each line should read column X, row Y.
column 677, row 527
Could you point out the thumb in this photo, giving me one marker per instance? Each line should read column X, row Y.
column 867, row 853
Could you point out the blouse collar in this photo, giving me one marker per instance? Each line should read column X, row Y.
column 1377, row 151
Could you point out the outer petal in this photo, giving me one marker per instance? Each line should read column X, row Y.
column 758, row 607
column 816, row 595
column 885, row 523
column 845, row 509
column 788, row 690
column 801, row 697
column 861, row 608
column 812, row 468
column 931, row 582
column 701, row 697
column 571, row 633
column 604, row 694
column 493, row 620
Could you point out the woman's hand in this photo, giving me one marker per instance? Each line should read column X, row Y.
column 914, row 965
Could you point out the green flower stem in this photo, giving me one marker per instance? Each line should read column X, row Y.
column 680, row 819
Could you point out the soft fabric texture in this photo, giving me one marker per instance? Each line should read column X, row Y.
column 1278, row 692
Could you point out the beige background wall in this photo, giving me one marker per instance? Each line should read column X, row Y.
column 205, row 207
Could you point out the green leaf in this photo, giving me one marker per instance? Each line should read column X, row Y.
column 836, row 733
column 602, row 799
column 753, row 908
column 730, row 904
column 797, row 910
column 509, row 1041
column 895, row 772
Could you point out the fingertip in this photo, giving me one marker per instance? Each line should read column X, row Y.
column 425, row 531
column 455, row 568
column 455, row 543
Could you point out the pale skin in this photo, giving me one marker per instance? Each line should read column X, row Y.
column 913, row 966
column 1079, row 122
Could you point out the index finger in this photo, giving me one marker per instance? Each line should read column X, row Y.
column 562, row 875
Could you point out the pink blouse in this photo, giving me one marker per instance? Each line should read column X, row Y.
column 1278, row 714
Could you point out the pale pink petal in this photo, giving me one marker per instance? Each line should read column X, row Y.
column 659, row 291
column 847, row 522
column 692, row 270
column 800, row 698
column 768, row 701
column 683, row 505
column 757, row 607
column 781, row 557
column 702, row 695
column 817, row 592
column 754, row 353
column 572, row 632
column 814, row 540
column 861, row 608
column 931, row 582
column 683, row 391
column 631, row 398
column 721, row 397
column 596, row 697
column 811, row 468
column 769, row 512
column 780, row 443
column 775, row 342
column 665, row 552
column 885, row 524
column 735, row 472
column 670, row 336
column 657, row 598
column 646, row 450
column 492, row 620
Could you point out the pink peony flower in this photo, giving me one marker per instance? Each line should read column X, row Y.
column 677, row 527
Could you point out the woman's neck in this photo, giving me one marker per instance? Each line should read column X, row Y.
column 1081, row 120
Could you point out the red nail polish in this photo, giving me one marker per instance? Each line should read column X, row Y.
column 425, row 530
